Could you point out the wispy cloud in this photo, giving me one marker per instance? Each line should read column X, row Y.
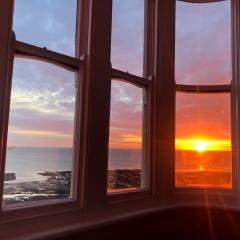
column 45, row 133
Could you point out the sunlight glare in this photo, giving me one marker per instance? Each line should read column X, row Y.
column 202, row 145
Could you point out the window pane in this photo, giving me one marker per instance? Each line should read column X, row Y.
column 128, row 36
column 40, row 134
column 203, row 140
column 203, row 43
column 126, row 151
column 44, row 23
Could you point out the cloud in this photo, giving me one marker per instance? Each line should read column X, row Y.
column 203, row 56
column 47, row 23
column 43, row 95
column 126, row 115
column 42, row 103
column 203, row 43
column 39, row 133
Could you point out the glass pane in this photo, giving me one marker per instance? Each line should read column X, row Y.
column 203, row 140
column 128, row 36
column 40, row 133
column 203, row 43
column 126, row 151
column 44, row 23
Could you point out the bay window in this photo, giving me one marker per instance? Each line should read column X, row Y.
column 112, row 109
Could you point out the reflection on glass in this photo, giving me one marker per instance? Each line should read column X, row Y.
column 128, row 36
column 125, row 161
column 44, row 23
column 203, row 43
column 203, row 140
column 40, row 133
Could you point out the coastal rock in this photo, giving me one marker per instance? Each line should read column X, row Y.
column 9, row 177
column 124, row 178
column 58, row 185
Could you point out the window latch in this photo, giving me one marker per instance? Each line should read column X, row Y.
column 150, row 77
column 145, row 99
column 82, row 58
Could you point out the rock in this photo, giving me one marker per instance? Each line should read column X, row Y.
column 124, row 178
column 58, row 185
column 9, row 177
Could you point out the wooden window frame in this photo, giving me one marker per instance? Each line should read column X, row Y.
column 146, row 188
column 20, row 49
column 215, row 195
column 145, row 82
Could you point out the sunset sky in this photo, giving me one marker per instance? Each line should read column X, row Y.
column 203, row 56
column 43, row 95
column 42, row 106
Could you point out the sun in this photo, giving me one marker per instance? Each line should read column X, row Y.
column 201, row 168
column 201, row 146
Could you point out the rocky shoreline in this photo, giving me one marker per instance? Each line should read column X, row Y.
column 124, row 178
column 57, row 185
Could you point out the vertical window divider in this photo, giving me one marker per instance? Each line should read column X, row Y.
column 164, row 91
column 236, row 93
column 149, row 73
column 6, row 62
column 82, row 34
column 99, row 91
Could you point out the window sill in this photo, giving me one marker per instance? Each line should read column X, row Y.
column 60, row 224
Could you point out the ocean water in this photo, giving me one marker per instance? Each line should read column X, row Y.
column 124, row 159
column 210, row 160
column 26, row 163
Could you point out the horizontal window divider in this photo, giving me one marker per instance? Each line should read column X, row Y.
column 26, row 50
column 200, row 1
column 130, row 78
column 203, row 88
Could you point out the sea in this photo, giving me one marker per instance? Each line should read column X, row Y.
column 27, row 162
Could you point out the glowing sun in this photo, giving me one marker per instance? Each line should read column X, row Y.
column 201, row 146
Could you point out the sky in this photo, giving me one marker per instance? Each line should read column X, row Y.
column 43, row 95
column 203, row 57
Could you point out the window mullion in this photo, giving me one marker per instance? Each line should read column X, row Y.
column 203, row 88
column 99, row 95
column 164, row 95
column 236, row 94
column 150, row 49
column 80, row 133
column 6, row 59
column 125, row 76
column 30, row 51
